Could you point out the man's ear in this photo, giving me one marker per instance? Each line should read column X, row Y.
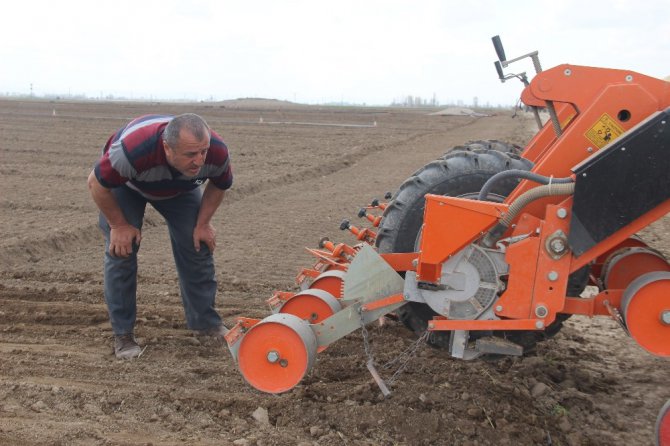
column 166, row 148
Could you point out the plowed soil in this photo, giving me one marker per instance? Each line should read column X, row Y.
column 296, row 177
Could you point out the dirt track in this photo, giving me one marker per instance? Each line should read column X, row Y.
column 60, row 384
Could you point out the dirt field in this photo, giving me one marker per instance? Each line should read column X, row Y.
column 60, row 383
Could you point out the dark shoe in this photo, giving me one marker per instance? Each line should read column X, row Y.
column 125, row 347
column 217, row 333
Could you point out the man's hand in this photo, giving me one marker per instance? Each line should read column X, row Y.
column 121, row 240
column 206, row 234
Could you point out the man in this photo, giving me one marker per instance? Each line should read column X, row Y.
column 161, row 160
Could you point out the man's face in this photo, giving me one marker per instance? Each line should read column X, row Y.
column 189, row 155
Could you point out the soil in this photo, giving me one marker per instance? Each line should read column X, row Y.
column 296, row 177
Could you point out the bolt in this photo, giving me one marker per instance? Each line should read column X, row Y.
column 567, row 71
column 499, row 308
column 557, row 245
column 629, row 78
column 283, row 363
column 665, row 317
column 415, row 263
column 561, row 213
column 273, row 356
column 405, row 296
column 623, row 149
column 539, row 325
column 541, row 311
column 552, row 276
column 590, row 149
column 584, row 174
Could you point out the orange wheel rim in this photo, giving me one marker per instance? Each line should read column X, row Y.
column 307, row 307
column 273, row 357
column 646, row 312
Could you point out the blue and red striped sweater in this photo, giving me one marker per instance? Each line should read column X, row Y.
column 135, row 156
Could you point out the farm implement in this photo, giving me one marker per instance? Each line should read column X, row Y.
column 488, row 249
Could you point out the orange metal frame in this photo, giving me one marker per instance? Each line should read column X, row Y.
column 584, row 98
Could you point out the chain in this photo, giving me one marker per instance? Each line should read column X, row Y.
column 403, row 359
column 366, row 340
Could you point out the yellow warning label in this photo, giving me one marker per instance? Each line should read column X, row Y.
column 604, row 131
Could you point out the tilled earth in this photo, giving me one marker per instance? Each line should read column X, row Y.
column 296, row 176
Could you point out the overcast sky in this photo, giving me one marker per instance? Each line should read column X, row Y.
column 315, row 51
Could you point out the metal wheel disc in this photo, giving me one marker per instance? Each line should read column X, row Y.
column 626, row 264
column 645, row 306
column 277, row 353
column 330, row 281
column 312, row 305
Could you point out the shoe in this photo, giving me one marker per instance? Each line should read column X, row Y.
column 217, row 333
column 125, row 347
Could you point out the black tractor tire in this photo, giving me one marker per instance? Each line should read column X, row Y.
column 461, row 173
column 488, row 144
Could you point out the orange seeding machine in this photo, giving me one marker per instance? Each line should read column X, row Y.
column 488, row 249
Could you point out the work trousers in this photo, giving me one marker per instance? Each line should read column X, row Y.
column 195, row 269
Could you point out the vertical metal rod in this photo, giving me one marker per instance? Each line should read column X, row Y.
column 554, row 118
column 538, row 121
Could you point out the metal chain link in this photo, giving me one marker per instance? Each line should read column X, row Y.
column 403, row 358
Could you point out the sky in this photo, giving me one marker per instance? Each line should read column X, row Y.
column 365, row 52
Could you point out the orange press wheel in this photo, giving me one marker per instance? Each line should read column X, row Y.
column 645, row 306
column 626, row 264
column 663, row 426
column 276, row 353
column 312, row 305
column 330, row 281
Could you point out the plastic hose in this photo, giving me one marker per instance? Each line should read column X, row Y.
column 515, row 173
column 524, row 199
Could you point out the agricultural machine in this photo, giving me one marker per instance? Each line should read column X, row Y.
column 488, row 249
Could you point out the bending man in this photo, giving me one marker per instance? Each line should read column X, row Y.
column 161, row 160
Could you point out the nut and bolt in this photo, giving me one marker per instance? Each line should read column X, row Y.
column 557, row 245
column 273, row 356
column 539, row 325
column 499, row 308
column 541, row 311
column 561, row 213
column 665, row 317
column 552, row 276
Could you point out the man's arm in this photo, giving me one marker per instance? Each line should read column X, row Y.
column 204, row 231
column 122, row 233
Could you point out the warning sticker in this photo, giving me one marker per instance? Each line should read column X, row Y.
column 604, row 131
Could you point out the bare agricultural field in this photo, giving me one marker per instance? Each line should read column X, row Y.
column 296, row 177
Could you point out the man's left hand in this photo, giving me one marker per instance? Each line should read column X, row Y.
column 204, row 234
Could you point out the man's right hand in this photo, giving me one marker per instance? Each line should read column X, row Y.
column 121, row 240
